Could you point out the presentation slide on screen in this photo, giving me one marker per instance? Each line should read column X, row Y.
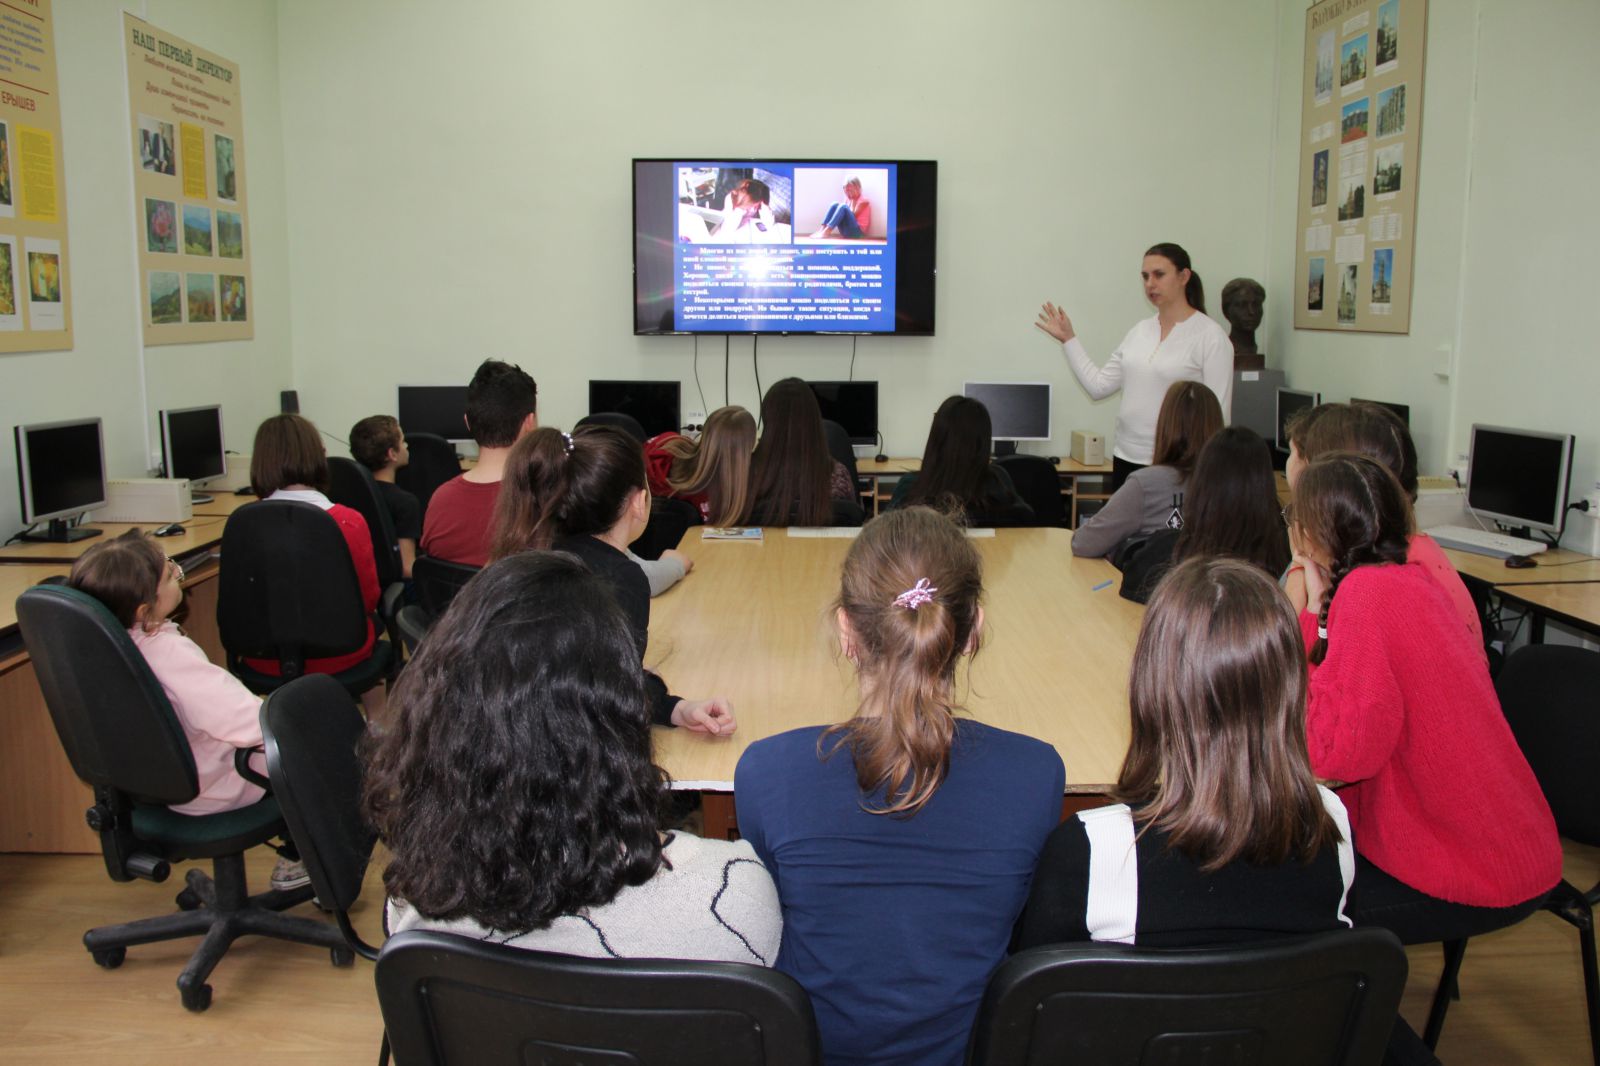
column 804, row 247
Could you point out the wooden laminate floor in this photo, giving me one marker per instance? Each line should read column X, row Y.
column 1522, row 988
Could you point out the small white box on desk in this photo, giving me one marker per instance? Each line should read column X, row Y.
column 1441, row 506
column 1088, row 448
column 237, row 477
column 146, row 499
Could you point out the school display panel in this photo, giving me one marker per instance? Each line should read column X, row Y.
column 784, row 246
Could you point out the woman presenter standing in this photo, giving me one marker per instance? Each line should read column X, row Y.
column 1178, row 343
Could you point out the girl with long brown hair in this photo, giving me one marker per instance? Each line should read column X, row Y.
column 793, row 479
column 1221, row 832
column 713, row 473
column 902, row 840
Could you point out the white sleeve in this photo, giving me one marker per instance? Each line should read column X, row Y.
column 1098, row 381
column 661, row 573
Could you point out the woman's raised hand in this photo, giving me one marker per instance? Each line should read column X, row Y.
column 1054, row 321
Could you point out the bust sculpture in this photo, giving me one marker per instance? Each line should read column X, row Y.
column 1242, row 300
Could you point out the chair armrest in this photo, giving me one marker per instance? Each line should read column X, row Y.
column 241, row 763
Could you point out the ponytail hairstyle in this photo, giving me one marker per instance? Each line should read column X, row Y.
column 910, row 591
column 1368, row 428
column 1351, row 507
column 1194, row 292
column 791, row 470
column 1190, row 416
column 565, row 485
column 124, row 573
column 1230, row 505
column 955, row 462
column 1217, row 759
column 718, row 464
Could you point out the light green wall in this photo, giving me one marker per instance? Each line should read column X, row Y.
column 102, row 374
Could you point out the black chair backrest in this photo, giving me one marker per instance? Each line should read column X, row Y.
column 449, row 999
column 1548, row 694
column 433, row 462
column 670, row 519
column 847, row 513
column 437, row 581
column 288, row 588
column 839, row 445
column 352, row 485
column 311, row 728
column 625, row 422
column 1038, row 485
column 114, row 721
column 1326, row 999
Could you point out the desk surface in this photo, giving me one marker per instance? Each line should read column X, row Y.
column 1577, row 605
column 223, row 502
column 889, row 467
column 201, row 531
column 1558, row 566
column 752, row 622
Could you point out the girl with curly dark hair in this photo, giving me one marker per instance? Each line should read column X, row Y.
column 515, row 791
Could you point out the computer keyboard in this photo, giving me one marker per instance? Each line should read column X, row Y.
column 1483, row 542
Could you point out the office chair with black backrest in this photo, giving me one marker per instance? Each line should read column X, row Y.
column 353, row 486
column 1548, row 694
column 1039, row 486
column 1324, row 1000
column 670, row 519
column 288, row 592
column 433, row 462
column 617, row 420
column 449, row 1000
column 437, row 581
column 123, row 738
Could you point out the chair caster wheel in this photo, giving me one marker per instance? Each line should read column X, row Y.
column 189, row 900
column 342, row 957
column 110, row 958
column 196, row 999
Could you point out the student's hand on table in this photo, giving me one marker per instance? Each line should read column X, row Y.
column 1054, row 321
column 713, row 716
column 674, row 553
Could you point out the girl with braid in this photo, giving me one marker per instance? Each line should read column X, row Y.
column 1453, row 836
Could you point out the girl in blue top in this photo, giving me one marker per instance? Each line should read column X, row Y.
column 903, row 840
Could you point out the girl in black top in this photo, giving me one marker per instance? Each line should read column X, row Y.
column 956, row 474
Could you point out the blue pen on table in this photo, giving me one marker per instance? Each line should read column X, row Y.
column 1107, row 583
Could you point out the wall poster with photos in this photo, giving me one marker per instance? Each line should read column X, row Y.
column 1361, row 124
column 189, row 190
column 35, row 304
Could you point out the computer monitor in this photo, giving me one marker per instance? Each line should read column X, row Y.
column 61, row 472
column 437, row 409
column 1402, row 411
column 1290, row 403
column 653, row 403
column 1018, row 410
column 191, row 446
column 852, row 404
column 1519, row 477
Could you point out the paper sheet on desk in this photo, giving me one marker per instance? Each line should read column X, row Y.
column 842, row 532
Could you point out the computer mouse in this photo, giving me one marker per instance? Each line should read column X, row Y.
column 1520, row 562
column 245, row 491
column 172, row 529
column 880, row 458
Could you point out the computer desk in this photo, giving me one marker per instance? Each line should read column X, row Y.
column 753, row 622
column 1068, row 469
column 1573, row 603
column 199, row 533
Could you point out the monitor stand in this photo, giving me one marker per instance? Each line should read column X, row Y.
column 58, row 532
column 1004, row 447
column 200, row 497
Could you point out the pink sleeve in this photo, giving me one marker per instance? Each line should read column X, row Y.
column 1355, row 708
column 207, row 697
column 354, row 528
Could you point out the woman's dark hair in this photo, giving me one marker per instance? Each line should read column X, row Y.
column 1190, row 415
column 124, row 573
column 287, row 451
column 1217, row 759
column 500, row 397
column 955, row 462
column 1194, row 292
column 559, row 485
column 513, row 783
column 1368, row 428
column 791, row 469
column 756, row 189
column 1351, row 507
column 1230, row 506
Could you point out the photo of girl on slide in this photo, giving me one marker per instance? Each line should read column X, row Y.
column 833, row 204
column 733, row 205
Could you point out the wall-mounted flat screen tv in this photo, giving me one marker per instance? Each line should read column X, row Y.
column 784, row 246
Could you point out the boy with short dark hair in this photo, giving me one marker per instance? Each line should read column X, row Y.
column 379, row 444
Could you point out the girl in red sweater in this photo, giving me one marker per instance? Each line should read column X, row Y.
column 1453, row 836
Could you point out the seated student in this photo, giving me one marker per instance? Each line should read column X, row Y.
column 1231, row 508
column 379, row 444
column 793, row 479
column 550, row 837
column 713, row 473
column 585, row 493
column 1453, row 835
column 1378, row 432
column 1152, row 497
column 288, row 463
column 502, row 405
column 142, row 588
column 851, row 217
column 1221, row 833
column 956, row 471
column 903, row 840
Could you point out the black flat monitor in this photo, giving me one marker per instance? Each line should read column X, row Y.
column 191, row 446
column 61, row 472
column 852, row 404
column 1018, row 410
column 1520, row 477
column 1401, row 411
column 437, row 409
column 654, row 404
column 1290, row 403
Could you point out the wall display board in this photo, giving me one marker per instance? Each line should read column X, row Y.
column 35, row 306
column 190, row 207
column 1360, row 126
